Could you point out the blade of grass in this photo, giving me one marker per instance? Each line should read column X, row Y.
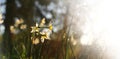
column 18, row 53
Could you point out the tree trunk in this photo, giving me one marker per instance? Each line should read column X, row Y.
column 26, row 11
column 9, row 20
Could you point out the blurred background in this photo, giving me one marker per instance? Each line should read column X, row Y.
column 81, row 29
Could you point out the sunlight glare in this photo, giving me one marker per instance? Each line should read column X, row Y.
column 104, row 25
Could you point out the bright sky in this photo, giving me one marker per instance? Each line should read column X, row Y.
column 1, row 1
column 2, row 8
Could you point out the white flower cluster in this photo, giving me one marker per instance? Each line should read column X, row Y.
column 1, row 20
column 19, row 25
column 40, row 32
column 2, row 28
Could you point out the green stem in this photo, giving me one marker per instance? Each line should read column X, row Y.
column 40, row 51
column 72, row 50
column 18, row 53
column 66, row 51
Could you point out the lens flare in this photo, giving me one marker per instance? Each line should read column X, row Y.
column 104, row 25
column 101, row 23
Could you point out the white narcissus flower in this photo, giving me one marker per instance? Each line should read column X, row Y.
column 12, row 29
column 34, row 29
column 35, row 41
column 43, row 36
column 19, row 21
column 36, row 24
column 1, row 21
column 42, row 40
column 42, row 22
column 24, row 26
column 44, row 33
column 50, row 26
